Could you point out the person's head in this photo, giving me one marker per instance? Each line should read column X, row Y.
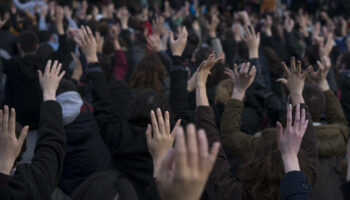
column 150, row 73
column 311, row 55
column 44, row 50
column 315, row 100
column 345, row 61
column 107, row 185
column 263, row 169
column 224, row 91
column 66, row 85
column 140, row 107
column 191, row 45
column 28, row 42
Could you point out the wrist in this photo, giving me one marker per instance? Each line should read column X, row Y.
column 290, row 162
column 6, row 167
column 92, row 59
column 238, row 94
column 49, row 96
column 253, row 54
column 324, row 85
column 297, row 98
column 177, row 53
column 156, row 167
column 212, row 34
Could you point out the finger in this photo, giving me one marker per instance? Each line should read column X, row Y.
column 203, row 147
column 246, row 69
column 285, row 68
column 84, row 33
column 192, row 146
column 304, row 128
column 235, row 70
column 73, row 55
column 252, row 29
column 12, row 125
column 160, row 122
column 23, row 135
column 54, row 66
column 279, row 131
column 58, row 70
column 292, row 64
column 5, row 119
column 320, row 66
column 302, row 120
column 299, row 67
column 289, row 117
column 180, row 149
column 306, row 72
column 1, row 119
column 283, row 81
column 213, row 154
column 90, row 34
column 177, row 125
column 61, row 75
column 47, row 67
column 154, row 124
column 167, row 122
column 297, row 117
column 149, row 135
column 40, row 75
column 252, row 72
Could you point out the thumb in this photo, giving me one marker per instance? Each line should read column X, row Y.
column 283, row 81
column 40, row 74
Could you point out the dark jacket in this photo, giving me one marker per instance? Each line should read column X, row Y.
column 22, row 90
column 39, row 179
column 86, row 151
column 128, row 147
column 344, row 79
column 294, row 186
column 331, row 139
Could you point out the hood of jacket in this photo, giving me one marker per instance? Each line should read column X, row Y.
column 71, row 103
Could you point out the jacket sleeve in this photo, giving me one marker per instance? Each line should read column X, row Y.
column 120, row 65
column 39, row 179
column 334, row 111
column 109, row 122
column 178, row 90
column 232, row 138
column 294, row 186
column 221, row 185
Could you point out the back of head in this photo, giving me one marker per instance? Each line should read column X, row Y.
column 150, row 74
column 345, row 60
column 263, row 169
column 44, row 50
column 315, row 100
column 140, row 107
column 28, row 41
column 224, row 91
column 108, row 185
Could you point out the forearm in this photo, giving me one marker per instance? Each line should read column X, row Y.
column 291, row 163
column 201, row 96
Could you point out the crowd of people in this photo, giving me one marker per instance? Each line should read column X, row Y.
column 175, row 100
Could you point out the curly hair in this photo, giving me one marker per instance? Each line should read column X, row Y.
column 263, row 170
column 149, row 74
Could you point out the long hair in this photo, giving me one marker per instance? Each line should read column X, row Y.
column 149, row 74
column 263, row 170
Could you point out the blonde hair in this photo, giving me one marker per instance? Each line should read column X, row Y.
column 224, row 91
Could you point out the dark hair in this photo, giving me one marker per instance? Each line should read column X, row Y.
column 263, row 169
column 140, row 107
column 66, row 85
column 44, row 50
column 312, row 54
column 28, row 41
column 345, row 60
column 217, row 74
column 107, row 185
column 191, row 45
column 150, row 73
column 274, row 61
column 315, row 100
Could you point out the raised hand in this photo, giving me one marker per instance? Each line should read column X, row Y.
column 178, row 46
column 185, row 170
column 295, row 80
column 157, row 25
column 99, row 42
column 289, row 25
column 87, row 43
column 204, row 70
column 325, row 49
column 252, row 40
column 50, row 80
column 154, row 43
column 242, row 79
column 289, row 140
column 4, row 20
column 213, row 25
column 320, row 76
column 10, row 144
column 162, row 139
column 78, row 67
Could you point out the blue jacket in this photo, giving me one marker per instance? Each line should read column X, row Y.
column 294, row 186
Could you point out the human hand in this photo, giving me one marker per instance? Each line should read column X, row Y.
column 87, row 43
column 178, row 46
column 4, row 20
column 185, row 170
column 325, row 49
column 191, row 83
column 212, row 25
column 295, row 80
column 289, row 25
column 242, row 79
column 320, row 76
column 243, row 15
column 162, row 139
column 124, row 15
column 204, row 70
column 10, row 145
column 252, row 40
column 154, row 43
column 67, row 12
column 99, row 42
column 78, row 67
column 289, row 141
column 50, row 80
column 157, row 25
